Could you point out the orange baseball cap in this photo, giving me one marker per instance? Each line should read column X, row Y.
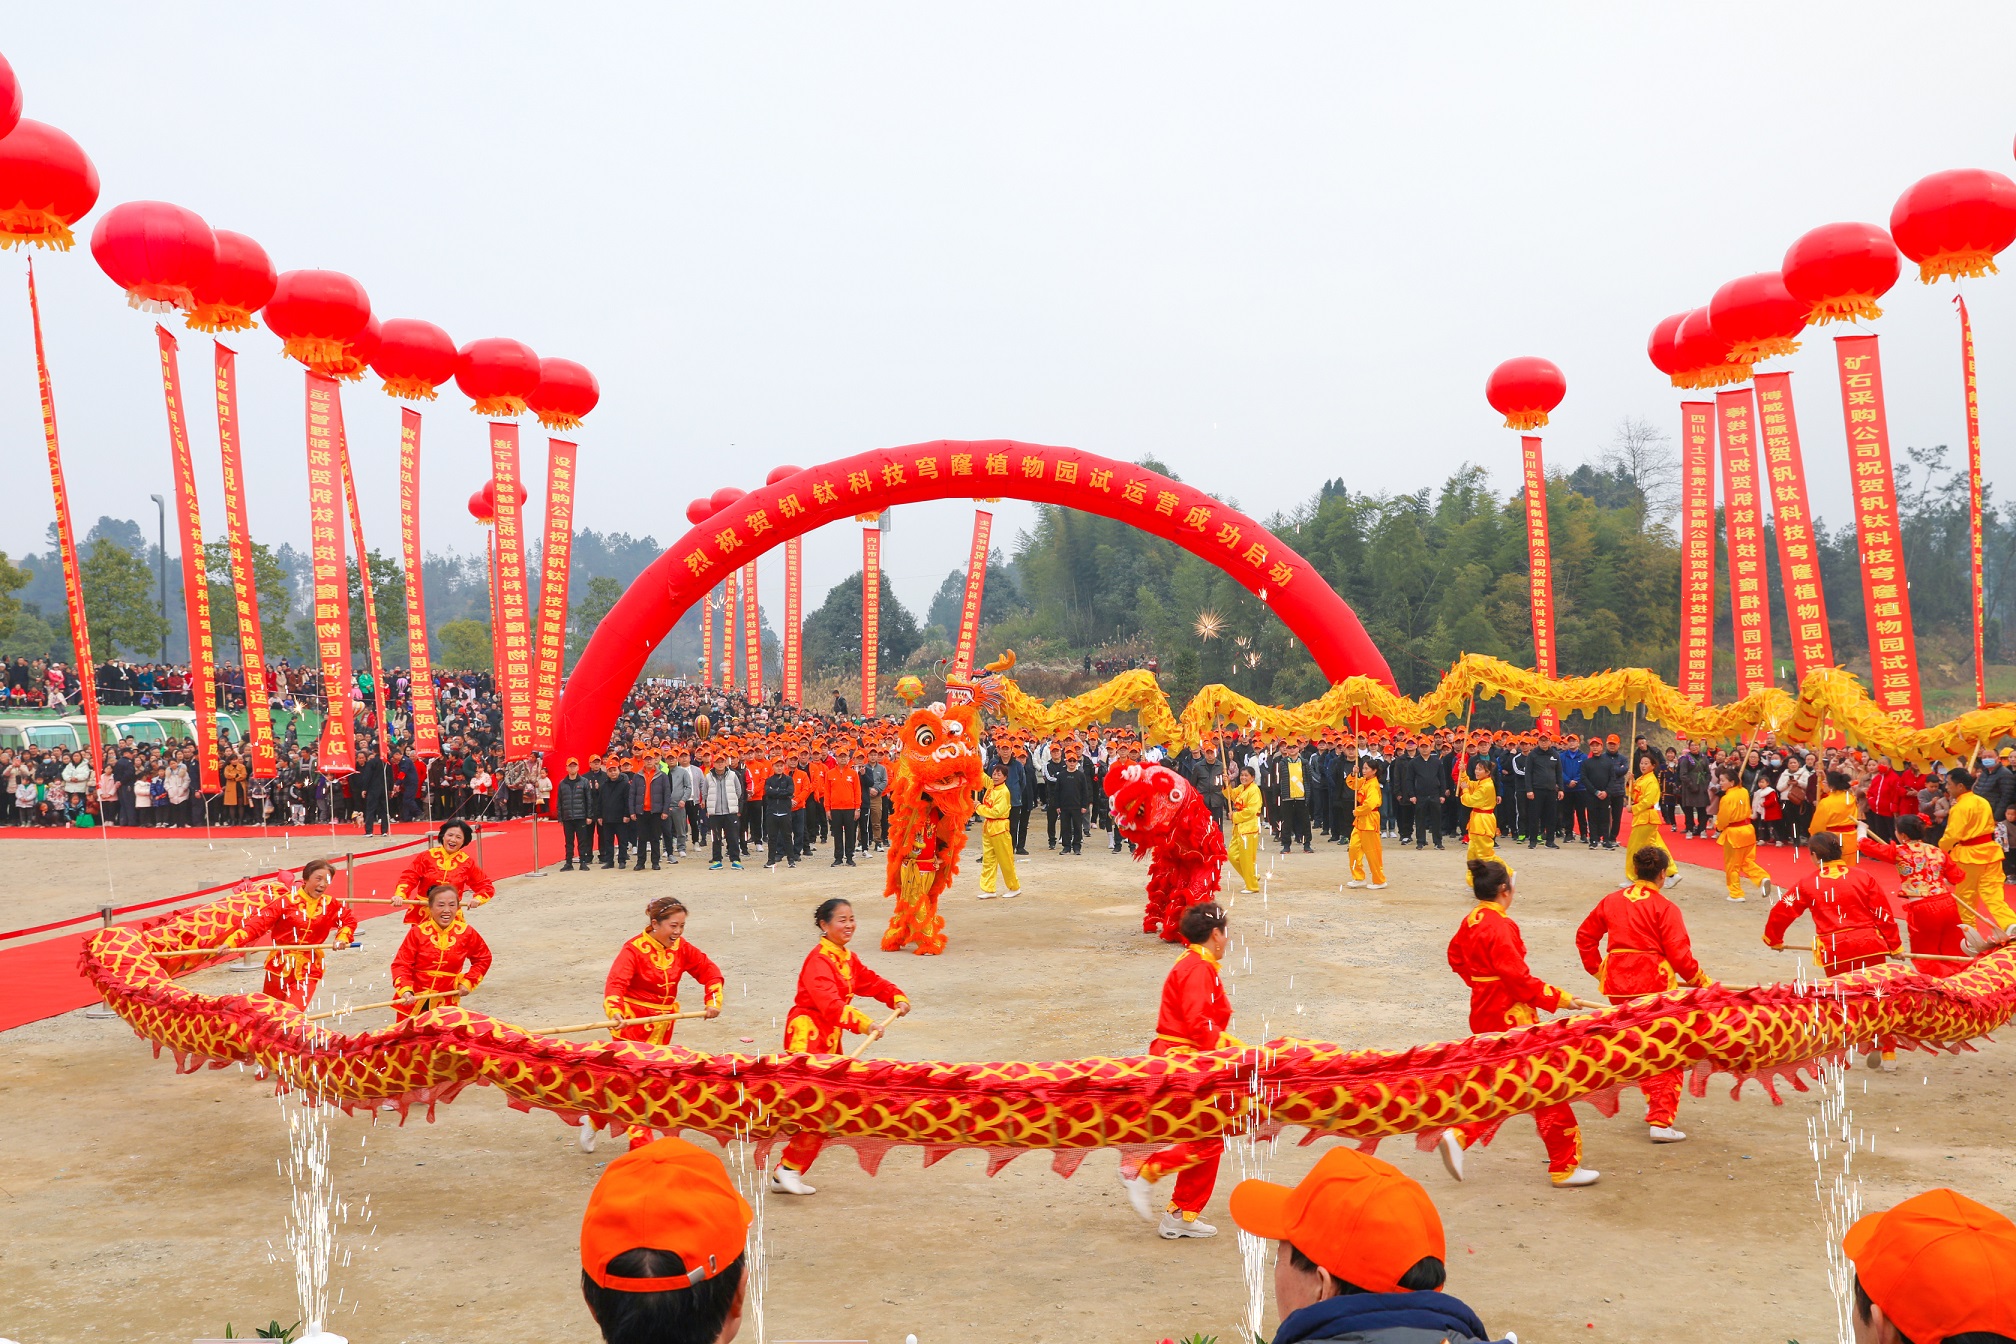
column 665, row 1196
column 1364, row 1220
column 1938, row 1264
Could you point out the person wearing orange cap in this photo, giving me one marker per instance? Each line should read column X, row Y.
column 843, row 800
column 1361, row 1255
column 441, row 959
column 1644, row 798
column 1738, row 835
column 1854, row 928
column 1489, row 956
column 663, row 1244
column 448, row 861
column 1938, row 1268
column 1969, row 840
column 1368, row 864
column 1244, row 850
column 1648, row 953
column 997, row 846
column 1194, row 1013
column 828, row 983
column 308, row 917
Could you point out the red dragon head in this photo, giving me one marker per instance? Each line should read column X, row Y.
column 1146, row 799
column 940, row 752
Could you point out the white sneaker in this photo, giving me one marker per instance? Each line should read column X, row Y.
column 1375, row 886
column 1140, row 1194
column 1667, row 1134
column 1768, row 890
column 1738, row 899
column 788, row 1182
column 1011, row 893
column 1579, row 1177
column 585, row 1136
column 1672, row 879
column 989, row 895
column 1450, row 1146
column 1355, row 882
column 1175, row 1225
column 1887, row 1065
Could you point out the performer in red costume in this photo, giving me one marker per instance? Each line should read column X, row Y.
column 439, row 955
column 1489, row 956
column 643, row 981
column 1195, row 1012
column 1648, row 953
column 1854, row 929
column 448, row 862
column 1930, row 908
column 308, row 915
column 828, row 983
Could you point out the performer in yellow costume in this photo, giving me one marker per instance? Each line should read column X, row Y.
column 1738, row 834
column 997, row 847
column 1835, row 811
column 1368, row 862
column 1244, row 800
column 1644, row 799
column 1480, row 795
column 1969, row 840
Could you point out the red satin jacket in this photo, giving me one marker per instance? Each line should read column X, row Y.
column 1490, row 957
column 1648, row 947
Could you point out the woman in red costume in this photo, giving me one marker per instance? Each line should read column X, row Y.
column 1648, row 953
column 309, row 915
column 1930, row 908
column 1489, row 956
column 1854, row 928
column 828, row 983
column 643, row 981
column 442, row 954
column 448, row 862
column 1195, row 1012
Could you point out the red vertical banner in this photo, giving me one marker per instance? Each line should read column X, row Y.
column 794, row 616
column 1973, row 501
column 1792, row 521
column 514, row 646
column 244, row 574
column 1540, row 565
column 707, row 637
column 1886, row 589
column 555, row 559
column 195, row 578
column 728, row 603
column 976, row 587
column 338, row 752
column 752, row 634
column 419, row 662
column 1743, row 527
column 1697, row 551
column 373, row 647
column 66, row 541
column 871, row 614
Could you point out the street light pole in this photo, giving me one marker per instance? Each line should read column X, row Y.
column 161, row 548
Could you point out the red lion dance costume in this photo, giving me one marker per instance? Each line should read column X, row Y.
column 1159, row 811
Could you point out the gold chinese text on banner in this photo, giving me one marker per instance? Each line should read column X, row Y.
column 338, row 753
column 1697, row 551
column 1973, row 499
column 1792, row 520
column 729, row 602
column 752, row 635
column 66, row 542
column 1540, row 565
column 707, row 636
column 419, row 662
column 244, row 573
column 1743, row 524
column 871, row 615
column 514, row 647
column 195, row 578
column 374, row 652
column 554, row 560
column 1886, row 602
column 794, row 603
column 976, row 587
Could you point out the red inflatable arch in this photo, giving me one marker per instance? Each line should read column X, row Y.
column 749, row 525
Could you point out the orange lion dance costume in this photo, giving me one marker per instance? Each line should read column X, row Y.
column 1161, row 812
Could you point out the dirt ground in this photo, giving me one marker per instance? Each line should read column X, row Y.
column 138, row 1205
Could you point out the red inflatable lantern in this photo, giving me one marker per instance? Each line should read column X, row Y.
column 1523, row 390
column 779, row 473
column 1663, row 348
column 1758, row 316
column 1704, row 357
column 46, row 185
column 497, row 375
column 566, row 392
column 1839, row 271
column 239, row 285
column 1953, row 223
column 10, row 97
column 414, row 358
column 318, row 315
column 482, row 507
column 158, row 253
column 723, row 497
column 699, row 511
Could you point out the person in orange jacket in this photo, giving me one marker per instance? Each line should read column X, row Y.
column 448, row 862
column 843, row 802
column 308, row 916
column 1930, row 909
column 1854, row 928
column 643, row 981
column 1648, row 953
column 828, row 983
column 1194, row 1014
column 442, row 954
column 1489, row 956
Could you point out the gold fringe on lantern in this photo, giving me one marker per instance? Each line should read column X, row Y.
column 412, row 389
column 1713, row 375
column 1845, row 308
column 559, row 420
column 1756, row 352
column 1526, row 420
column 349, row 368
column 499, row 406
column 867, row 517
column 314, row 351
column 25, row 225
column 1954, row 265
column 216, row 317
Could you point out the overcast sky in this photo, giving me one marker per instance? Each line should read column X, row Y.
column 1269, row 245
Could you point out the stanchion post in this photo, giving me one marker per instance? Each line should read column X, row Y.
column 535, row 845
column 101, row 1008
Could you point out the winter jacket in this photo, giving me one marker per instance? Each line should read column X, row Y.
column 678, row 787
column 1997, row 784
column 1384, row 1318
column 612, row 798
column 577, row 796
column 723, row 793
column 1693, row 772
column 777, row 794
column 659, row 786
column 1543, row 771
column 1599, row 775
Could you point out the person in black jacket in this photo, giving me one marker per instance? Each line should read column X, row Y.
column 612, row 803
column 777, row 839
column 1070, row 796
column 1293, row 777
column 1604, row 788
column 1544, row 792
column 1425, row 788
column 377, row 790
column 1996, row 782
column 572, row 801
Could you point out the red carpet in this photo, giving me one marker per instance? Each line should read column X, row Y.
column 40, row 979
